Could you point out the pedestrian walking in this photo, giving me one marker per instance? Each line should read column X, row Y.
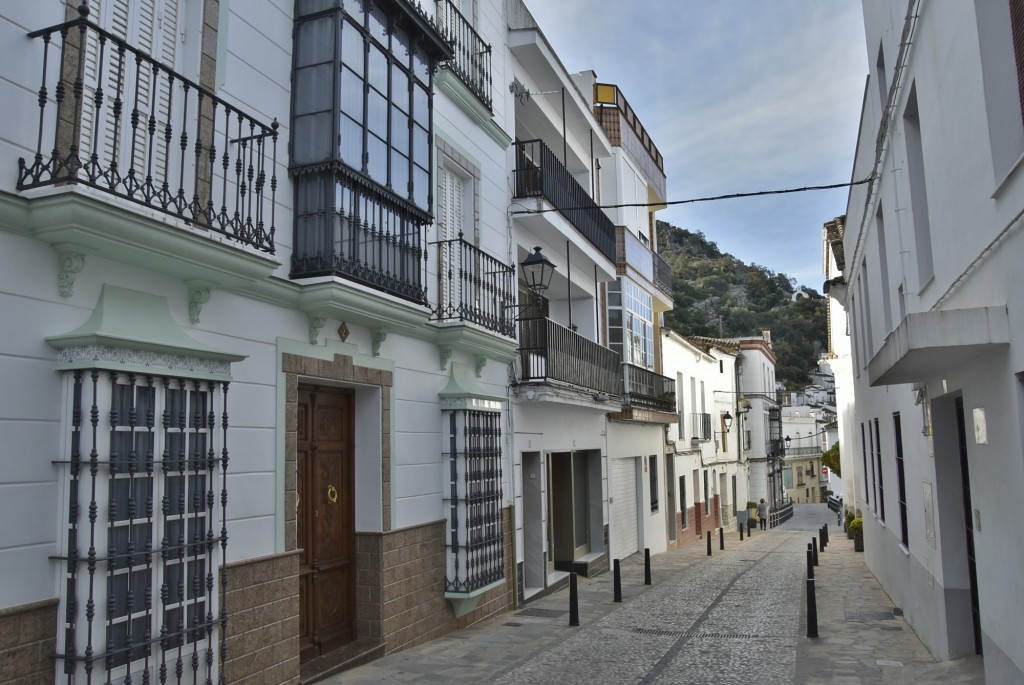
column 762, row 513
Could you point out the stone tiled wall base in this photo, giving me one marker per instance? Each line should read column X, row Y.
column 262, row 602
column 401, row 598
column 28, row 642
column 699, row 522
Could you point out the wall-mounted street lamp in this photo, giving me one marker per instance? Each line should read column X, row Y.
column 537, row 270
column 727, row 420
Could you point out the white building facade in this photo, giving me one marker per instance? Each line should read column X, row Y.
column 932, row 246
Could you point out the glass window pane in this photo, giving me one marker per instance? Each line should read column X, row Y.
column 400, row 45
column 420, row 65
column 352, row 94
column 399, row 88
column 420, row 105
column 377, row 159
column 353, row 47
column 199, row 409
column 174, row 495
column 311, row 138
column 355, row 8
column 377, row 73
column 400, row 173
column 378, row 23
column 399, row 131
column 315, row 42
column 377, row 113
column 420, row 146
column 420, row 187
column 351, row 143
column 312, row 89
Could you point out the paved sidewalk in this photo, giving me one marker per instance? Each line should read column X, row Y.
column 736, row 617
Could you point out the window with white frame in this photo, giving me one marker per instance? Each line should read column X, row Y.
column 145, row 538
column 630, row 327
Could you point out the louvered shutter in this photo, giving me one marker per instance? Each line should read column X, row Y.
column 147, row 25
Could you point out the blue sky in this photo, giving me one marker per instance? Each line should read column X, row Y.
column 739, row 96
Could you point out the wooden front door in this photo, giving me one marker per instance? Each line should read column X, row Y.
column 325, row 512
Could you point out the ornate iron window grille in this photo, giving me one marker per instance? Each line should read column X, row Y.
column 167, row 143
column 143, row 582
column 476, row 553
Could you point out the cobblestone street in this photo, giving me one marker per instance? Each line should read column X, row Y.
column 736, row 617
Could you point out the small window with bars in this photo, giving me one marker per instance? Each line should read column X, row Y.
column 145, row 529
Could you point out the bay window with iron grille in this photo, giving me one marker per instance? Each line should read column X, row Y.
column 361, row 153
column 145, row 537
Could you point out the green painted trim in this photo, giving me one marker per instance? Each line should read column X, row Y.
column 454, row 88
column 72, row 215
column 134, row 332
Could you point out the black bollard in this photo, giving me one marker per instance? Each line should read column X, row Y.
column 821, row 541
column 574, row 601
column 617, row 583
column 750, row 527
column 709, row 543
column 814, row 545
column 721, row 538
column 647, row 566
column 812, row 610
column 824, row 531
column 810, row 561
column 741, row 532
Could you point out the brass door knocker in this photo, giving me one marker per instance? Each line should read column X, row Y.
column 332, row 494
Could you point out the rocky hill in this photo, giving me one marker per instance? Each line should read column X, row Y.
column 719, row 295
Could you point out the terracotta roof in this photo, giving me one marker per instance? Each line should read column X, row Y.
column 706, row 343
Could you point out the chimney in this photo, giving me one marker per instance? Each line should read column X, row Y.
column 766, row 335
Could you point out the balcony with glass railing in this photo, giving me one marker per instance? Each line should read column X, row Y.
column 539, row 173
column 114, row 119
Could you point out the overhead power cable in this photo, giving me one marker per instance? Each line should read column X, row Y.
column 730, row 196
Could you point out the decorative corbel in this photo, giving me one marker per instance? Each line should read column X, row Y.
column 315, row 324
column 446, row 355
column 71, row 262
column 378, row 336
column 198, row 295
column 481, row 362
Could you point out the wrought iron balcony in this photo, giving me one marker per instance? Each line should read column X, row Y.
column 644, row 389
column 539, row 173
column 662, row 274
column 346, row 227
column 123, row 123
column 551, row 352
column 473, row 286
column 472, row 60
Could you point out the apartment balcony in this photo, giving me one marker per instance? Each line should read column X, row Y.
column 473, row 287
column 550, row 353
column 646, row 396
column 472, row 60
column 540, row 174
column 114, row 120
column 625, row 130
column 635, row 258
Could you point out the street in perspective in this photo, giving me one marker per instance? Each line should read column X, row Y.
column 738, row 615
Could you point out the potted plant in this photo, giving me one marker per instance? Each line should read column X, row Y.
column 857, row 528
column 751, row 512
column 846, row 524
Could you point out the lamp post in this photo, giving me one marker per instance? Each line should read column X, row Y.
column 537, row 271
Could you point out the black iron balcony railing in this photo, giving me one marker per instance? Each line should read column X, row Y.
column 662, row 274
column 472, row 60
column 551, row 352
column 346, row 227
column 644, row 389
column 473, row 286
column 539, row 173
column 126, row 124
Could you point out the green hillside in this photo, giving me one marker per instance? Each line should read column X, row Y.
column 720, row 296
